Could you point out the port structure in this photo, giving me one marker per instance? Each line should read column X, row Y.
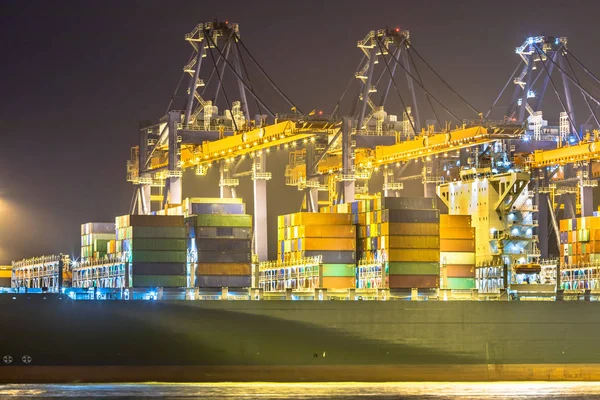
column 47, row 273
column 197, row 136
column 349, row 145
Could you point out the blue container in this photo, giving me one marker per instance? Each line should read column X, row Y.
column 333, row 257
column 216, row 208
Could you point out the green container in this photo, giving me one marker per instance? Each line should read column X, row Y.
column 158, row 244
column 414, row 268
column 101, row 245
column 158, row 281
column 461, row 283
column 171, row 232
column 158, row 256
column 224, row 220
column 339, row 270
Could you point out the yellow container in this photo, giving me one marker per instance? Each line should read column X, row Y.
column 422, row 255
column 306, row 218
column 327, row 244
column 410, row 242
column 333, row 231
column 410, row 228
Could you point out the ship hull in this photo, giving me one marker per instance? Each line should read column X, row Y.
column 125, row 341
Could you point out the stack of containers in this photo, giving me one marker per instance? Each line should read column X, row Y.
column 96, row 238
column 457, row 252
column 156, row 248
column 219, row 233
column 403, row 234
column 329, row 235
column 580, row 240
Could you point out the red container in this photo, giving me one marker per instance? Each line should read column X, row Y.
column 414, row 281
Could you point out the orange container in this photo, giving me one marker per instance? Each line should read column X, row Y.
column 338, row 282
column 460, row 271
column 457, row 233
column 563, row 225
column 414, row 281
column 327, row 244
column 455, row 221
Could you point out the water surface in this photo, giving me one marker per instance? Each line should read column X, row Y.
column 311, row 391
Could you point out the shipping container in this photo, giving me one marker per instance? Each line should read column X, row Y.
column 223, row 244
column 326, row 244
column 406, row 203
column 151, row 232
column 158, row 256
column 460, row 283
column 211, row 200
column 222, row 232
column 98, row 227
column 414, row 281
column 455, row 221
column 149, row 220
column 333, row 257
column 332, row 231
column 156, row 281
column 315, row 218
column 348, row 270
column 216, row 220
column 460, row 271
column 155, row 244
column 338, row 282
column 421, row 255
column 410, row 216
column 458, row 258
column 456, row 233
column 410, row 242
column 215, row 208
column 218, row 281
column 217, row 256
column 457, row 245
column 414, row 268
column 410, row 228
column 139, row 268
column 223, row 269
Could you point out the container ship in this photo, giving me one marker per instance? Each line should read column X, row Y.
column 490, row 274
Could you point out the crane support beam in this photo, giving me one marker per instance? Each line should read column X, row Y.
column 583, row 151
column 259, row 165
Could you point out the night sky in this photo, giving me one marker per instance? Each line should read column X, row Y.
column 78, row 76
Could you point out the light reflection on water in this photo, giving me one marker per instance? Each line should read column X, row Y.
column 312, row 391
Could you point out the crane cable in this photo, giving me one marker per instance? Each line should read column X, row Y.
column 421, row 86
column 267, row 76
column 396, row 86
column 412, row 48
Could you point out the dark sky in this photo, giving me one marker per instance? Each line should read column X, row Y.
column 78, row 76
